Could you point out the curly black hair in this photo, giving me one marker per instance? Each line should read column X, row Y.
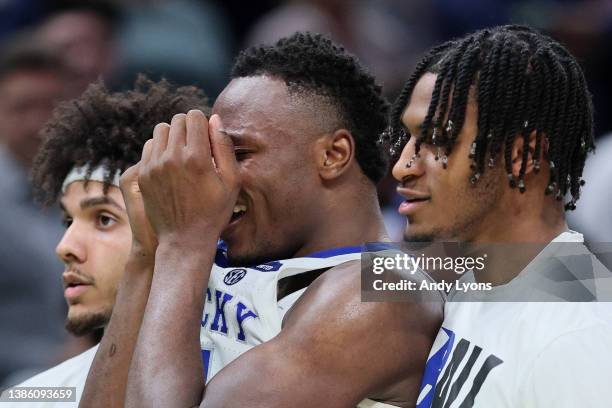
column 102, row 127
column 313, row 63
column 525, row 81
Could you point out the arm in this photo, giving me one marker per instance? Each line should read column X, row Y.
column 107, row 378
column 334, row 351
column 188, row 199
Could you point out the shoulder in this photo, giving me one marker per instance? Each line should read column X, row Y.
column 338, row 291
column 387, row 342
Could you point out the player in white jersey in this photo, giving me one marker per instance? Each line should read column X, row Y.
column 495, row 129
column 294, row 140
column 103, row 132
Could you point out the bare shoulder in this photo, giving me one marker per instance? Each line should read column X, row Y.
column 334, row 350
column 389, row 341
column 339, row 292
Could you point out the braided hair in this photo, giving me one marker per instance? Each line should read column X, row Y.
column 525, row 81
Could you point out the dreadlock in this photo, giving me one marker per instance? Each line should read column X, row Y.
column 525, row 82
column 102, row 127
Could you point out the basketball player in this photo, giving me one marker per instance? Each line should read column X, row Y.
column 293, row 137
column 495, row 129
column 88, row 143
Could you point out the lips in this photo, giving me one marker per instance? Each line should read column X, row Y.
column 239, row 211
column 75, row 284
column 414, row 200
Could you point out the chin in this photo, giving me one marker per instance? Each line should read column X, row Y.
column 82, row 322
column 252, row 257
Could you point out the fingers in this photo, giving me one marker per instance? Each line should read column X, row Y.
column 147, row 151
column 177, row 137
column 197, row 132
column 128, row 176
column 128, row 184
column 160, row 139
column 223, row 150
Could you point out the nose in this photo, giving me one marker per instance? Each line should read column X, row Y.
column 408, row 166
column 71, row 248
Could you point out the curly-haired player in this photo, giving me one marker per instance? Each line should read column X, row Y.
column 495, row 128
column 88, row 143
column 293, row 138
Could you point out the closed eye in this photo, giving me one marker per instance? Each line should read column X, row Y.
column 242, row 153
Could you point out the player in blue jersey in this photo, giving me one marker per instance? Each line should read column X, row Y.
column 296, row 161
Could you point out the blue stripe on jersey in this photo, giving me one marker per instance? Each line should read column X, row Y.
column 328, row 253
column 206, row 354
column 222, row 261
column 371, row 246
column 433, row 369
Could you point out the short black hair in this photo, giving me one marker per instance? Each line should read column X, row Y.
column 318, row 65
column 102, row 127
column 525, row 81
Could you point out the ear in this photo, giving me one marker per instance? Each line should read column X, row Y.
column 334, row 153
column 517, row 153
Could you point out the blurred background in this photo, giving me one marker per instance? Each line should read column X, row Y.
column 51, row 50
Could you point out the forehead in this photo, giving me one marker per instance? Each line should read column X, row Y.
column 417, row 108
column 77, row 192
column 263, row 107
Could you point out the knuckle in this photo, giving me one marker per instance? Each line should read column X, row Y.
column 192, row 160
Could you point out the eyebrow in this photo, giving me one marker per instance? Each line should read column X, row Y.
column 100, row 200
column 237, row 138
column 93, row 202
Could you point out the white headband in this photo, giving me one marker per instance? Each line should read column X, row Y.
column 99, row 173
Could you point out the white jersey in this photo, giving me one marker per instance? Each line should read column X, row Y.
column 242, row 309
column 502, row 354
column 70, row 373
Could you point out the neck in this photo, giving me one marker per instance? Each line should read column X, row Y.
column 522, row 221
column 349, row 220
column 517, row 236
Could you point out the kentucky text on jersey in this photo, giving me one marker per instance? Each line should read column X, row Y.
column 225, row 309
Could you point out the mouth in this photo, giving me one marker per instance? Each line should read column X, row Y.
column 237, row 214
column 74, row 285
column 414, row 201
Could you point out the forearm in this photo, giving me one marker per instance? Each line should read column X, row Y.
column 167, row 366
column 107, row 379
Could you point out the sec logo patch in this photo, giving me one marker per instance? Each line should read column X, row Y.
column 234, row 276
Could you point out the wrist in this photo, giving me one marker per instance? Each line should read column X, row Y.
column 186, row 247
column 195, row 239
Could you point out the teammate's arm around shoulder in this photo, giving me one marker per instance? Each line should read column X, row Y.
column 334, row 351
